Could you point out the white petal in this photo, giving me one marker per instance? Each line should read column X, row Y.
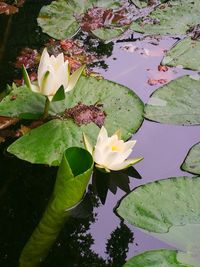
column 48, row 87
column 129, row 144
column 102, row 137
column 43, row 66
column 60, row 59
column 61, row 76
column 125, row 154
column 98, row 156
column 121, row 146
column 112, row 157
column 56, row 62
column 74, row 78
column 127, row 163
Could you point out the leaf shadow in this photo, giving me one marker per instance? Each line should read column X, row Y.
column 104, row 182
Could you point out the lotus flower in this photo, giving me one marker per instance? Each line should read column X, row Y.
column 111, row 153
column 53, row 72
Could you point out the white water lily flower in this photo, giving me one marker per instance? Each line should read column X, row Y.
column 111, row 153
column 53, row 72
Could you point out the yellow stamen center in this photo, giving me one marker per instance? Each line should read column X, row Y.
column 115, row 148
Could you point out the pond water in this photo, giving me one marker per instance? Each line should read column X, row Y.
column 94, row 235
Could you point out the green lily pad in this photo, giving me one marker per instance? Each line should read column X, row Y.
column 59, row 18
column 176, row 102
column 170, row 211
column 186, row 54
column 174, row 19
column 22, row 103
column 192, row 161
column 160, row 205
column 155, row 258
column 45, row 144
column 71, row 182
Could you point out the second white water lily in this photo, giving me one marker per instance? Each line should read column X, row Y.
column 111, row 153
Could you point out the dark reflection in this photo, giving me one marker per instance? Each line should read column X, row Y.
column 103, row 182
column 94, row 46
column 21, row 30
column 73, row 247
column 24, row 193
column 117, row 245
column 131, row 38
column 18, row 31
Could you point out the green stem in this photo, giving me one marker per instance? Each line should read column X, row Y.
column 46, row 108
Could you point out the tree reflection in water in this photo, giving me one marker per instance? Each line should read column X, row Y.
column 24, row 194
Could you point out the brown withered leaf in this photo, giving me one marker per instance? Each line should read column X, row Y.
column 5, row 122
column 163, row 68
column 153, row 82
column 83, row 114
column 27, row 57
column 10, row 7
column 7, row 9
column 98, row 17
column 194, row 32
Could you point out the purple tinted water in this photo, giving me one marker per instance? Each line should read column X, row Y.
column 163, row 147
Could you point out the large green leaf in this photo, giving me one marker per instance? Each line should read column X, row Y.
column 160, row 205
column 22, row 103
column 186, row 54
column 155, row 258
column 45, row 144
column 176, row 102
column 174, row 19
column 71, row 182
column 59, row 18
column 169, row 210
column 192, row 161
